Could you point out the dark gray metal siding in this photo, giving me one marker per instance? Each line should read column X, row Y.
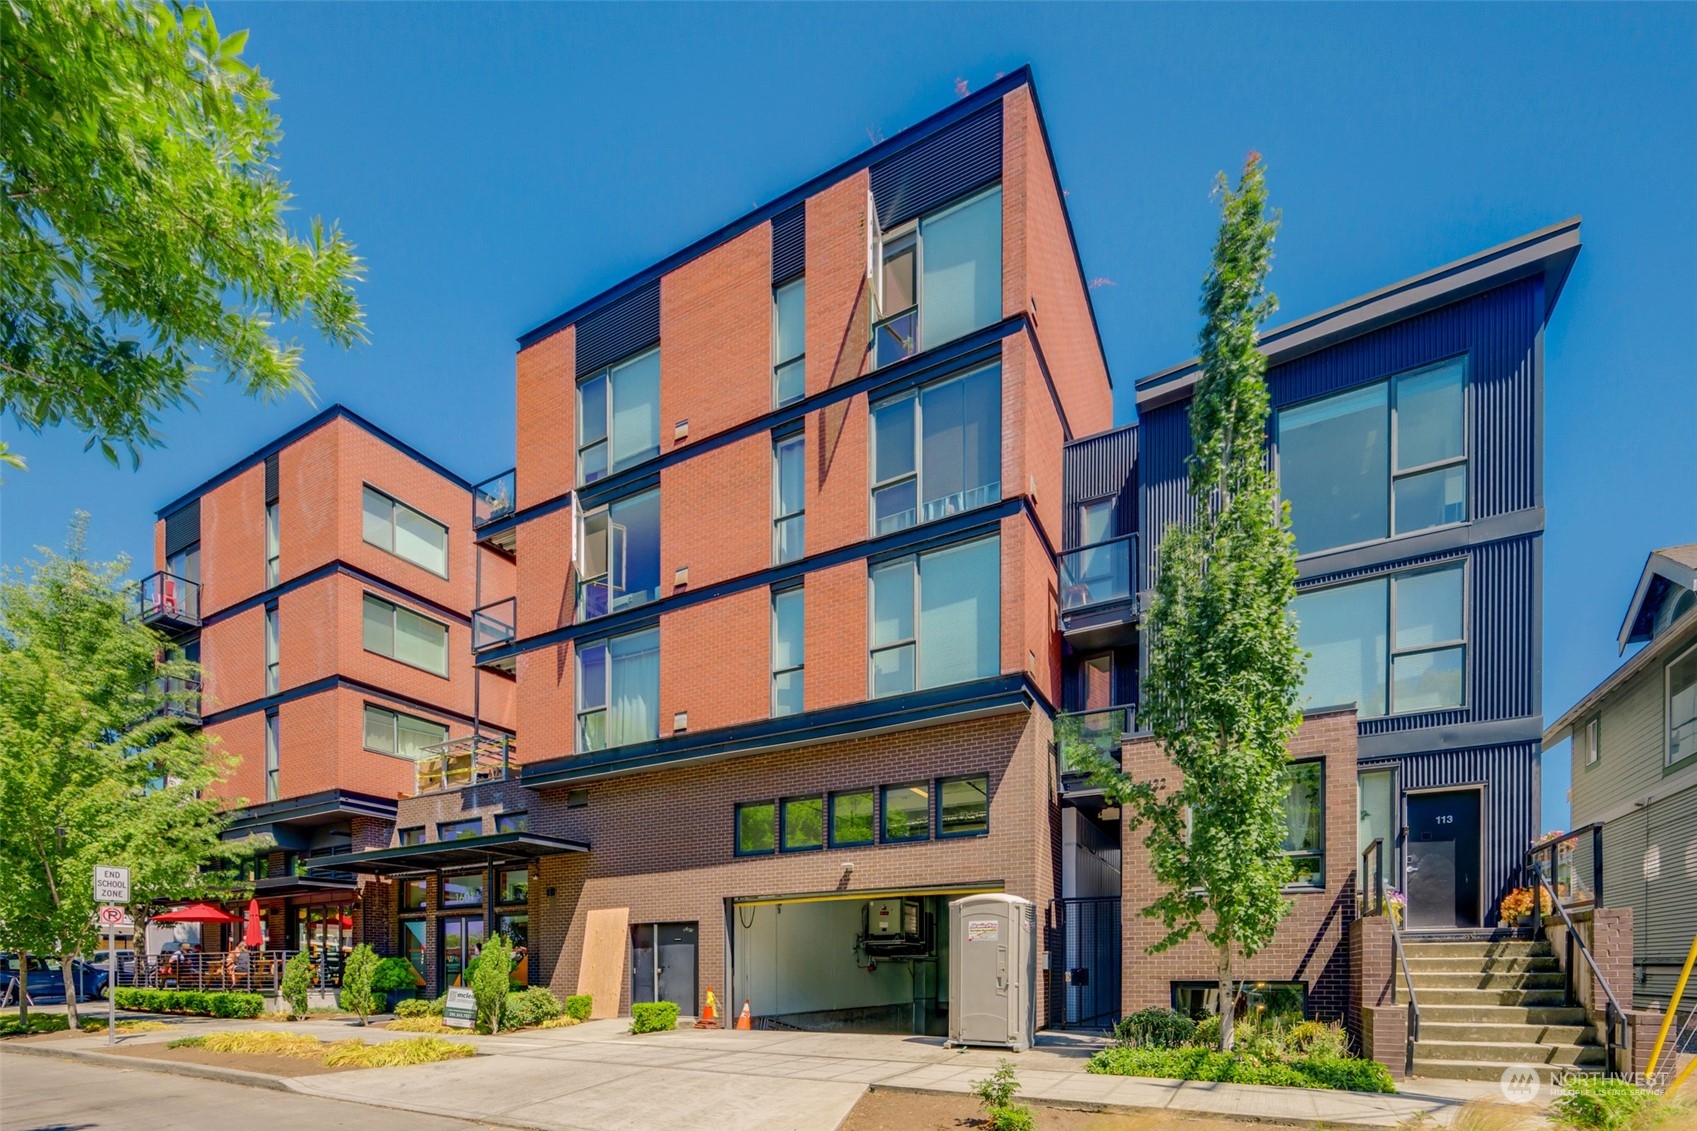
column 271, row 478
column 182, row 527
column 789, row 244
column 966, row 156
column 1163, row 441
column 619, row 330
column 1096, row 468
column 1509, row 807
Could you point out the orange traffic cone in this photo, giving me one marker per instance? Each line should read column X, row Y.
column 709, row 1018
column 744, row 1020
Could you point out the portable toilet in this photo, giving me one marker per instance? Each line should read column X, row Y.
column 993, row 971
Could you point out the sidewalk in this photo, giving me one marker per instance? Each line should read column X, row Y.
column 597, row 1077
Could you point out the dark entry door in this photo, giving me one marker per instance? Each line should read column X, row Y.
column 1085, row 994
column 662, row 963
column 1443, row 859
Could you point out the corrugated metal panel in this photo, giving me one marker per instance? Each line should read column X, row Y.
column 1498, row 331
column 1097, row 468
column 961, row 158
column 182, row 527
column 1163, row 444
column 1510, row 777
column 271, row 477
column 619, row 330
column 789, row 244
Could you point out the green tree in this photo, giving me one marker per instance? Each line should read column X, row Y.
column 490, row 980
column 1224, row 666
column 94, row 767
column 141, row 222
column 357, row 972
column 296, row 987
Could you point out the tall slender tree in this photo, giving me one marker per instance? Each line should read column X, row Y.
column 1224, row 666
column 94, row 767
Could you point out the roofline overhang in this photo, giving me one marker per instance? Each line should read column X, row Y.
column 1658, row 564
column 330, row 802
column 1675, row 640
column 1548, row 252
column 438, row 854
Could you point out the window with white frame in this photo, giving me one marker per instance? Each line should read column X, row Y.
column 619, row 556
column 618, row 417
column 937, row 450
column 789, row 343
column 789, row 497
column 1587, row 740
column 406, row 736
column 618, row 690
column 1376, row 461
column 936, row 617
column 401, row 634
column 1681, row 683
column 1388, row 645
column 939, row 277
column 407, row 533
column 789, row 650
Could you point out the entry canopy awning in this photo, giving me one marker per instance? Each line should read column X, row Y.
column 467, row 852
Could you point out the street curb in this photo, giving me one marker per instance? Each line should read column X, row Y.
column 1146, row 1109
column 164, row 1067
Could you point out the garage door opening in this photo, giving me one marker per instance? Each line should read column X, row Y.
column 860, row 964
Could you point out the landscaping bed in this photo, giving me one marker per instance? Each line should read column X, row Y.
column 246, row 1062
column 907, row 1111
column 228, row 1048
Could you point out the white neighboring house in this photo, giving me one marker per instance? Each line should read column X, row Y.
column 1635, row 771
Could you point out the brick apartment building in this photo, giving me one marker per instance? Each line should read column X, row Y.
column 325, row 585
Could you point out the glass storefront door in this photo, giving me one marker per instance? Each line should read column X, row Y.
column 462, row 939
column 325, row 931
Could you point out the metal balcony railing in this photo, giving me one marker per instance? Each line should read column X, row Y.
column 168, row 600
column 1572, row 864
column 1103, row 728
column 180, row 699
column 462, row 761
column 495, row 497
column 1098, row 573
column 493, row 624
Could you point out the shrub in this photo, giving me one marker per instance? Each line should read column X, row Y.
column 439, row 1007
column 995, row 1094
column 297, row 983
column 356, row 996
column 1155, row 1028
column 579, row 1006
column 393, row 975
column 489, row 982
column 413, row 1050
column 530, row 1007
column 415, row 1007
column 1345, row 1073
column 1317, row 1039
column 237, row 1005
column 1013, row 1117
column 190, row 1001
column 653, row 1016
column 1207, row 1034
column 420, row 1025
column 1602, row 1103
column 1212, row 1065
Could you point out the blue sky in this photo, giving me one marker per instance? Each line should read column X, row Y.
column 497, row 164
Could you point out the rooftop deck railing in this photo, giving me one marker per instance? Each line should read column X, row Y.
column 461, row 762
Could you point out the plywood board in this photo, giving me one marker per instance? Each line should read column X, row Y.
column 601, row 974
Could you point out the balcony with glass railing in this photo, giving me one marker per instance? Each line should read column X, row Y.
column 1098, row 592
column 1101, row 729
column 463, row 761
column 168, row 602
column 492, row 500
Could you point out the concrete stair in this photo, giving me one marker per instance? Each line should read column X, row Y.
column 1488, row 1003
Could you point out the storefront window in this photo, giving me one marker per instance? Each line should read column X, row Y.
column 463, row 891
column 413, row 894
column 515, row 885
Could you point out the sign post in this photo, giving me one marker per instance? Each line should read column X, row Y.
column 111, row 888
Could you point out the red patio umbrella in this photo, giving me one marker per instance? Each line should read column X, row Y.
column 197, row 913
column 254, row 936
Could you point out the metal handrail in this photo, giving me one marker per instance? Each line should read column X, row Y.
column 1550, row 853
column 1377, row 851
column 1613, row 1015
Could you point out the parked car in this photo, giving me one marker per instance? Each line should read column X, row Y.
column 47, row 980
column 126, row 964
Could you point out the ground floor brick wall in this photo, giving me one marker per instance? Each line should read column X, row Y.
column 1309, row 946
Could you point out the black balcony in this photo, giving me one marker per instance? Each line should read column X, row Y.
column 168, row 602
column 180, row 699
column 1098, row 593
column 1102, row 729
column 492, row 500
column 493, row 625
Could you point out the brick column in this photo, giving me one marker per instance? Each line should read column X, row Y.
column 1371, row 976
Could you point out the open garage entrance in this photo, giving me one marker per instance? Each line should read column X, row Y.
column 864, row 963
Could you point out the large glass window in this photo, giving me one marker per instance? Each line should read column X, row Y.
column 393, row 526
column 1389, row 645
column 459, row 830
column 757, row 828
column 1370, row 462
column 963, row 806
column 390, row 732
column 789, row 654
column 950, row 597
column 618, row 417
column 619, row 559
column 618, row 691
column 515, row 885
column 463, row 891
column 937, row 451
column 803, row 823
column 1305, row 823
column 414, row 894
column 940, row 277
column 403, row 635
column 907, row 811
column 512, row 822
column 852, row 820
column 1682, row 707
column 1377, row 820
column 789, row 343
column 789, row 498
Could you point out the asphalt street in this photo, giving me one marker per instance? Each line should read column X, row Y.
column 38, row 1094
